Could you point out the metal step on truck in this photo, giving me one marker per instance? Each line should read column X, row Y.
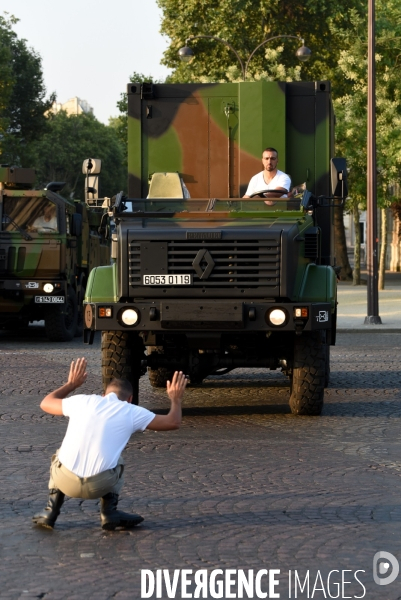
column 204, row 280
column 48, row 245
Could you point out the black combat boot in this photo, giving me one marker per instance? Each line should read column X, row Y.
column 48, row 516
column 112, row 518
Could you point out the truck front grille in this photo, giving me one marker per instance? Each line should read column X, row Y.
column 12, row 259
column 216, row 263
column 312, row 243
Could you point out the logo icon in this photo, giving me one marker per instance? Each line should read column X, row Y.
column 203, row 264
column 382, row 561
column 323, row 316
column 32, row 285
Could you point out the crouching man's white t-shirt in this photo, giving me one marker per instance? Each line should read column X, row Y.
column 98, row 431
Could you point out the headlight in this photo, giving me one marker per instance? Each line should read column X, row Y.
column 48, row 288
column 277, row 317
column 129, row 317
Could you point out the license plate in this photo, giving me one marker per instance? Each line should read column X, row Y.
column 167, row 279
column 49, row 299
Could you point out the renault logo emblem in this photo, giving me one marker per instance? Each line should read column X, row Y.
column 203, row 264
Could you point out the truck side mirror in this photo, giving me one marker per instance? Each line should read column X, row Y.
column 338, row 170
column 308, row 200
column 76, row 224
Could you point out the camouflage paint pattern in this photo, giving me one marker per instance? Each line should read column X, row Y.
column 214, row 134
column 31, row 257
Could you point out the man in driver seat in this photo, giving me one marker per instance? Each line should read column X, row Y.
column 47, row 221
column 270, row 178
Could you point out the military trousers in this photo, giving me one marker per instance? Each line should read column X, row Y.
column 87, row 488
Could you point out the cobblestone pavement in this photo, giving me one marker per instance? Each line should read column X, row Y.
column 242, row 485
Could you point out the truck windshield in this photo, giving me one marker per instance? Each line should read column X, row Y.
column 33, row 214
column 234, row 205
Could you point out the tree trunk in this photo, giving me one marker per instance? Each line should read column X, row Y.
column 357, row 247
column 395, row 261
column 340, row 245
column 383, row 249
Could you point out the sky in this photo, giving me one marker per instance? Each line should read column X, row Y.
column 89, row 48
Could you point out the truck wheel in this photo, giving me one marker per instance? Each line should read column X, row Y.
column 308, row 374
column 79, row 330
column 327, row 365
column 158, row 377
column 122, row 354
column 61, row 320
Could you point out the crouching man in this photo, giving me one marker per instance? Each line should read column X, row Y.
column 89, row 464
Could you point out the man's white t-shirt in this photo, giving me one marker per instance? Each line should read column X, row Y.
column 258, row 183
column 98, row 431
column 41, row 223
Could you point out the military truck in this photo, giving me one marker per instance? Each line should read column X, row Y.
column 48, row 245
column 215, row 282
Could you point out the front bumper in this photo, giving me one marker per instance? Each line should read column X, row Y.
column 16, row 294
column 208, row 315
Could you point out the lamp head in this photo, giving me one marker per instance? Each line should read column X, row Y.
column 186, row 54
column 303, row 53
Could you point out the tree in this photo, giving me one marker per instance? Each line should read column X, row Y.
column 244, row 24
column 6, row 81
column 351, row 112
column 23, row 102
column 59, row 154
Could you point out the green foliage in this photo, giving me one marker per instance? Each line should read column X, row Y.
column 7, row 79
column 246, row 23
column 59, row 153
column 22, row 95
column 120, row 123
column 351, row 108
column 351, row 112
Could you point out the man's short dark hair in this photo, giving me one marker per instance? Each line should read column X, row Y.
column 270, row 150
column 121, row 387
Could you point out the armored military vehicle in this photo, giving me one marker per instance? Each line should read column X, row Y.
column 48, row 244
column 214, row 282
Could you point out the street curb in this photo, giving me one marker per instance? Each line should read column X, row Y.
column 368, row 330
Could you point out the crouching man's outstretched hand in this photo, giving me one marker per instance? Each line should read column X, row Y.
column 53, row 402
column 77, row 375
column 175, row 390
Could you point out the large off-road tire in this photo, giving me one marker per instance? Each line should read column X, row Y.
column 61, row 319
column 308, row 374
column 158, row 377
column 122, row 354
column 327, row 365
column 79, row 330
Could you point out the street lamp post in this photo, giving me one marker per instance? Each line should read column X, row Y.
column 372, row 262
column 186, row 53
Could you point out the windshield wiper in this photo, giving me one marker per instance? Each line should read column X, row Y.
column 23, row 232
